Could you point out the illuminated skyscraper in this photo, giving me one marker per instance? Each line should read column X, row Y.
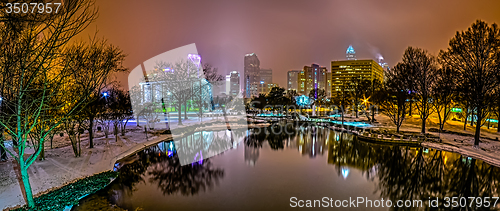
column 344, row 71
column 350, row 54
column 312, row 77
column 234, row 86
column 252, row 74
column 266, row 75
column 293, row 80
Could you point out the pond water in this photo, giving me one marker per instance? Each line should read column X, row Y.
column 263, row 170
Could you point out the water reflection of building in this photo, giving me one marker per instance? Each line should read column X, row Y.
column 312, row 141
column 251, row 155
column 197, row 146
column 346, row 153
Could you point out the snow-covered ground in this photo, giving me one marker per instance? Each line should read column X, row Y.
column 62, row 167
column 489, row 149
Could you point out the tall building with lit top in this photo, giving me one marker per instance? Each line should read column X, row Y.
column 350, row 54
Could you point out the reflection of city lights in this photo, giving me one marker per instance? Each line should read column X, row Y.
column 445, row 159
column 426, row 150
column 345, row 172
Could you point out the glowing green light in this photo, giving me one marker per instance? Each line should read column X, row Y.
column 458, row 110
column 492, row 120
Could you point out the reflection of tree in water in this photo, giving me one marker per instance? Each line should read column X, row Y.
column 133, row 171
column 275, row 135
column 172, row 178
column 255, row 137
column 346, row 152
column 405, row 173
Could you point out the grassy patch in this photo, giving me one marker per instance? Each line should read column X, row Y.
column 71, row 193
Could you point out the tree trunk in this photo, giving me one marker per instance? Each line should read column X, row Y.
column 356, row 109
column 179, row 118
column 441, row 123
column 91, row 131
column 79, row 145
column 373, row 114
column 478, row 130
column 124, row 127
column 342, row 108
column 3, row 153
column 26, row 183
column 409, row 111
column 185, row 110
column 116, row 132
column 498, row 118
column 51, row 137
column 42, row 153
column 466, row 115
column 423, row 123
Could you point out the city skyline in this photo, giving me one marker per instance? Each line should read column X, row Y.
column 225, row 31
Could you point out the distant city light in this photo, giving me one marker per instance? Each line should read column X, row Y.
column 105, row 94
column 261, row 82
column 456, row 110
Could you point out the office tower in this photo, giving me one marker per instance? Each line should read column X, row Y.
column 344, row 71
column 350, row 54
column 310, row 78
column 293, row 80
column 252, row 76
column 266, row 75
column 234, row 87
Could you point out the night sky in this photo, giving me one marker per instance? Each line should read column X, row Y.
column 285, row 35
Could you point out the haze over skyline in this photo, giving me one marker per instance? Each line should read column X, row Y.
column 284, row 35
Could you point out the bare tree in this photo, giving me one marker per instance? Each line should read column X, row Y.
column 211, row 73
column 178, row 84
column 359, row 89
column 342, row 96
column 396, row 90
column 474, row 54
column 423, row 68
column 95, row 60
column 31, row 58
column 443, row 94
